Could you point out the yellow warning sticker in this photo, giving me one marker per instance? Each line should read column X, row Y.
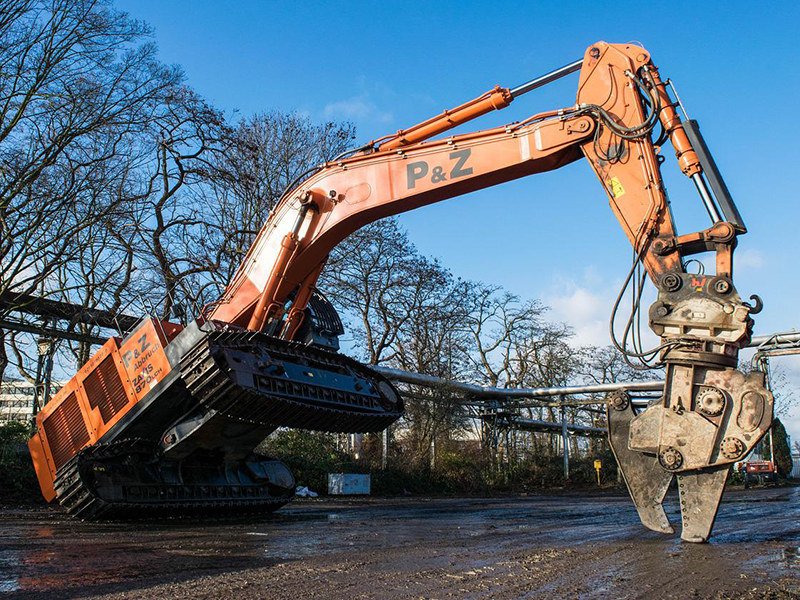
column 616, row 187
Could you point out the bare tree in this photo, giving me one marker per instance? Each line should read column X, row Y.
column 263, row 156
column 79, row 88
column 78, row 81
column 367, row 277
column 100, row 276
column 781, row 387
column 514, row 345
column 188, row 137
column 405, row 310
column 116, row 180
column 434, row 340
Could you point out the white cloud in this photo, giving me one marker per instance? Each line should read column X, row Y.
column 586, row 306
column 360, row 107
column 592, row 276
column 585, row 309
column 580, row 304
column 748, row 258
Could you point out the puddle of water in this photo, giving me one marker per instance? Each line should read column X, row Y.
column 791, row 556
column 9, row 585
column 756, row 500
column 9, row 560
column 299, row 548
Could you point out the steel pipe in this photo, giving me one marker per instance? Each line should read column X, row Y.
column 494, row 392
column 774, row 339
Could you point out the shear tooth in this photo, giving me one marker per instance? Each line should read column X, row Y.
column 646, row 480
column 700, row 493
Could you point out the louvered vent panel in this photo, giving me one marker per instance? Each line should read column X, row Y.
column 65, row 430
column 104, row 389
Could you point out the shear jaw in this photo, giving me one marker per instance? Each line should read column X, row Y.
column 708, row 419
column 700, row 493
column 647, row 481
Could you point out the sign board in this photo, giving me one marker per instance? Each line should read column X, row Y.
column 144, row 359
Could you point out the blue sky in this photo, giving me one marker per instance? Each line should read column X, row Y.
column 388, row 65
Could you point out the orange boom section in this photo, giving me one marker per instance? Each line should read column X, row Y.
column 105, row 389
column 410, row 171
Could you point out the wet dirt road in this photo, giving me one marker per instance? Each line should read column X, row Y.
column 533, row 547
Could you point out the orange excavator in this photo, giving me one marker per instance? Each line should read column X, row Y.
column 167, row 418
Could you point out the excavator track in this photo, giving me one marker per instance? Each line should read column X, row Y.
column 230, row 380
column 79, row 494
column 245, row 376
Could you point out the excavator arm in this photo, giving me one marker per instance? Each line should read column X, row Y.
column 407, row 172
column 620, row 100
column 710, row 414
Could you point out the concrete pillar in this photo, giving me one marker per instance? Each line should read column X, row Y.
column 564, row 437
column 44, row 372
column 385, row 454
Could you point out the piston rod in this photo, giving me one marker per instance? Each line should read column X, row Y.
column 545, row 79
column 705, row 194
column 495, row 99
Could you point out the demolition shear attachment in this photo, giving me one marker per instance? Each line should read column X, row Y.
column 707, row 419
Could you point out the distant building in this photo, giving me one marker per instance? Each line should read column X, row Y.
column 16, row 400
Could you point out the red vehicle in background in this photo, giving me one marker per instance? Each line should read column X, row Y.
column 758, row 472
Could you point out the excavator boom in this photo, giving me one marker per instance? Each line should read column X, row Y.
column 407, row 172
column 710, row 414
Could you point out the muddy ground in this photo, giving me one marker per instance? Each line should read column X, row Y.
column 565, row 546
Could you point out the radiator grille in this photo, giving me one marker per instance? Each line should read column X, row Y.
column 104, row 389
column 66, row 431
